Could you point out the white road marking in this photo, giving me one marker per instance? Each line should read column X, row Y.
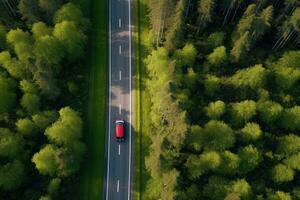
column 120, row 23
column 118, row 186
column 120, row 109
column 109, row 114
column 120, row 75
column 119, row 149
column 130, row 89
column 120, row 49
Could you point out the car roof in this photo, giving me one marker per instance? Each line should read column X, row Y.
column 120, row 130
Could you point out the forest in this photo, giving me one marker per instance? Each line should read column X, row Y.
column 223, row 77
column 42, row 71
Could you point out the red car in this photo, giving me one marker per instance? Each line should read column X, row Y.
column 120, row 129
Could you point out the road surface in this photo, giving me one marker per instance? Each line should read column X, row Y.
column 119, row 154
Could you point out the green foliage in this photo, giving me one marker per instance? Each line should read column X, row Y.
column 2, row 36
column 31, row 103
column 67, row 129
column 71, row 12
column 250, row 158
column 197, row 166
column 279, row 195
column 49, row 6
column 205, row 10
column 10, row 143
column 282, row 173
column 14, row 67
column 44, row 119
column 217, row 135
column 186, row 56
column 230, row 163
column 290, row 119
column 216, row 188
column 242, row 112
column 269, row 111
column 7, row 94
column 29, row 10
column 46, row 160
column 48, row 49
column 215, row 109
column 288, row 144
column 215, row 39
column 26, row 127
column 251, row 132
column 218, row 56
column 211, row 84
column 242, row 189
column 71, row 37
column 40, row 29
column 53, row 186
column 11, row 175
column 252, row 77
column 293, row 161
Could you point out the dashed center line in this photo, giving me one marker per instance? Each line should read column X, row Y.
column 120, row 49
column 118, row 186
column 120, row 75
column 120, row 109
column 120, row 23
column 119, row 149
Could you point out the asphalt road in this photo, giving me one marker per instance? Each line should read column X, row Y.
column 119, row 154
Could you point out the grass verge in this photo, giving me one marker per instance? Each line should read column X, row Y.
column 142, row 101
column 92, row 174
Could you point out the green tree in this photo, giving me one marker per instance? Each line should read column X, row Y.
column 26, row 127
column 54, row 186
column 193, row 139
column 290, row 119
column 71, row 37
column 269, row 111
column 240, row 47
column 293, row 161
column 2, row 36
column 217, row 135
column 70, row 12
column 242, row 188
column 7, row 94
column 31, row 103
column 230, row 163
column 279, row 196
column 288, row 144
column 216, row 188
column 50, row 6
column 28, row 87
column 10, row 143
column 29, row 10
column 205, row 10
column 46, row 160
column 218, row 56
column 14, row 67
column 40, row 29
column 282, row 173
column 67, row 129
column 49, row 50
column 12, row 175
column 197, row 166
column 251, row 132
column 250, row 158
column 186, row 56
column 211, row 84
column 252, row 77
column 215, row 109
column 243, row 111
column 44, row 119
